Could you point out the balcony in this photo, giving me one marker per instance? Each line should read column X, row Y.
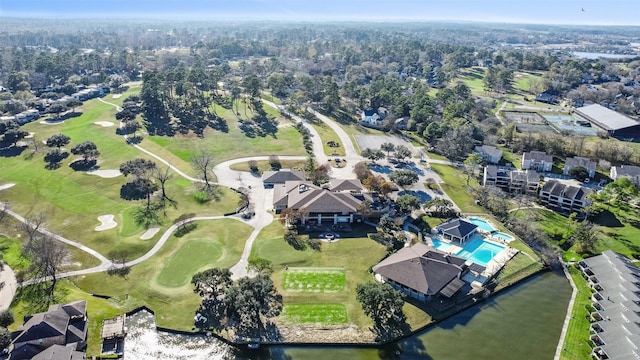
column 596, row 340
column 599, row 354
column 597, row 328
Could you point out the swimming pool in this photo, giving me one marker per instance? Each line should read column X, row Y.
column 502, row 236
column 482, row 224
column 476, row 250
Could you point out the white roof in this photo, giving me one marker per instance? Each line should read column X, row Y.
column 606, row 118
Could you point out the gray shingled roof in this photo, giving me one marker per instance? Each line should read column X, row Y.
column 557, row 188
column 580, row 161
column 420, row 267
column 627, row 170
column 345, row 185
column 538, row 156
column 489, row 150
column 59, row 352
column 618, row 277
column 605, row 118
column 282, row 176
column 457, row 227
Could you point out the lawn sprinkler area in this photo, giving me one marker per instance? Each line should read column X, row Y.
column 329, row 314
column 314, row 279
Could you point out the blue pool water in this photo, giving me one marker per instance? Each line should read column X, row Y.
column 476, row 249
column 502, row 236
column 482, row 224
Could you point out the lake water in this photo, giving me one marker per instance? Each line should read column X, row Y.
column 521, row 323
column 595, row 55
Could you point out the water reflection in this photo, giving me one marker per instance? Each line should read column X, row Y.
column 143, row 342
column 522, row 323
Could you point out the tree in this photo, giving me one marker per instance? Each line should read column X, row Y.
column 212, row 286
column 383, row 304
column 6, row 318
column 261, row 265
column 388, row 147
column 404, row 178
column 585, row 237
column 372, row 154
column 579, row 173
column 54, row 157
column 442, row 207
column 5, row 338
column 12, row 136
column 361, row 171
column 7, row 124
column 320, row 174
column 164, row 175
column 140, row 168
column 87, row 149
column 72, row 104
column 58, row 140
column 131, row 127
column 402, row 152
column 57, row 108
column 142, row 185
column 249, row 301
column 202, row 162
column 47, row 256
column 407, row 203
column 471, row 165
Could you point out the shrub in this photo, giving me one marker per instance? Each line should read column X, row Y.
column 201, row 197
column 6, row 318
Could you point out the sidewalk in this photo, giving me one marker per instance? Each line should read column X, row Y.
column 8, row 278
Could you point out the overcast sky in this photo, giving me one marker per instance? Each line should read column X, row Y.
column 590, row 12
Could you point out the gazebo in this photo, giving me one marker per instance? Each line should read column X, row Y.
column 457, row 229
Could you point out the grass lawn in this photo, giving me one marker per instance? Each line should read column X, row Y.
column 473, row 78
column 265, row 165
column 522, row 81
column 576, row 342
column 163, row 282
column 234, row 143
column 510, row 158
column 314, row 279
column 331, row 314
column 455, row 186
column 73, row 205
column 327, row 134
column 434, row 156
column 355, row 251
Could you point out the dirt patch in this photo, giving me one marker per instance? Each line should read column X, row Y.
column 324, row 334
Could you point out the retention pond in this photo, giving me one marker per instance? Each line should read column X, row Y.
column 523, row 322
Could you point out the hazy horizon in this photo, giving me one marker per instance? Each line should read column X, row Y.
column 558, row 12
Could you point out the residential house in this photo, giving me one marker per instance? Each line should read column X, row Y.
column 546, row 97
column 59, row 352
column 271, row 178
column 457, row 230
column 512, row 181
column 64, row 325
column 629, row 171
column 338, row 204
column 564, row 198
column 579, row 161
column 537, row 160
column 27, row 116
column 615, row 321
column 489, row 153
column 422, row 272
column 374, row 117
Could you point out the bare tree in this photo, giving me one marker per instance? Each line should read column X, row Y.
column 4, row 206
column 163, row 175
column 202, row 161
column 32, row 225
column 46, row 255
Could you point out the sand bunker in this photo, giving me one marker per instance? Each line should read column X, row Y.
column 104, row 123
column 30, row 136
column 117, row 96
column 52, row 122
column 107, row 222
column 151, row 232
column 6, row 186
column 105, row 173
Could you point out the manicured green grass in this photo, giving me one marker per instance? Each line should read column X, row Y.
column 522, row 81
column 11, row 250
column 473, row 78
column 265, row 165
column 455, row 186
column 435, row 156
column 162, row 284
column 355, row 251
column 327, row 134
column 576, row 342
column 328, row 314
column 314, row 279
column 73, row 205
